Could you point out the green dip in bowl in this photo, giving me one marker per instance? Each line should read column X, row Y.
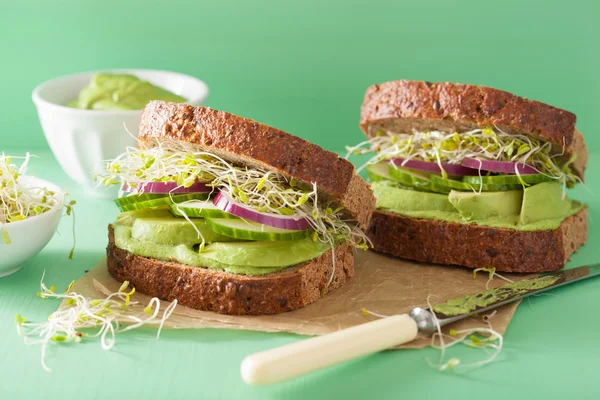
column 120, row 92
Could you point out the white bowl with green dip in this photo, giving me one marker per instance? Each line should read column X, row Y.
column 91, row 117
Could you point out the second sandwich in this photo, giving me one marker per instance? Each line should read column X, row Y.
column 472, row 176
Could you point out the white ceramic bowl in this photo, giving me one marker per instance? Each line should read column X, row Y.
column 82, row 139
column 30, row 236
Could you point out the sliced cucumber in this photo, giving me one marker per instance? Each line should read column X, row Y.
column 417, row 179
column 450, row 183
column 136, row 198
column 466, row 187
column 242, row 229
column 410, row 176
column 141, row 201
column 379, row 172
column 203, row 209
column 508, row 179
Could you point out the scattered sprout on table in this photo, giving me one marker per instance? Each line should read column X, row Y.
column 474, row 338
column 492, row 273
column 72, row 321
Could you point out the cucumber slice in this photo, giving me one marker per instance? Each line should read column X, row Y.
column 141, row 201
column 205, row 209
column 508, row 179
column 242, row 229
column 450, row 183
column 136, row 198
column 379, row 172
column 467, row 187
column 417, row 179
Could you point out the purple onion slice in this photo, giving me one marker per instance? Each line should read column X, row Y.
column 451, row 169
column 505, row 167
column 291, row 222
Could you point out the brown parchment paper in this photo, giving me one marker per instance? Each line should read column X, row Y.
column 381, row 284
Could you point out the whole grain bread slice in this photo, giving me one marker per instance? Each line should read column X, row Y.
column 227, row 293
column 477, row 246
column 401, row 106
column 248, row 142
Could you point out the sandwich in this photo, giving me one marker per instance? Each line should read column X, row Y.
column 472, row 176
column 229, row 215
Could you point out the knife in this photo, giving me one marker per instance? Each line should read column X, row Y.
column 296, row 359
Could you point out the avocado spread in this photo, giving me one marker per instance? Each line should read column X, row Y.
column 120, row 92
column 537, row 207
column 465, row 305
column 151, row 233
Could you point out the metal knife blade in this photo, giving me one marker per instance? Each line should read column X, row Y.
column 463, row 307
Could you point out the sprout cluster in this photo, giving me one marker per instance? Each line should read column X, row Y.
column 78, row 312
column 483, row 338
column 487, row 143
column 491, row 274
column 261, row 190
column 474, row 338
column 19, row 201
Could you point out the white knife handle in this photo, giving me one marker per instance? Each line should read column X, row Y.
column 310, row 355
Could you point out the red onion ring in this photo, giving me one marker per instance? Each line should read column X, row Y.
column 452, row 169
column 225, row 203
column 506, row 167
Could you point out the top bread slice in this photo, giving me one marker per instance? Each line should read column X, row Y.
column 248, row 142
column 403, row 106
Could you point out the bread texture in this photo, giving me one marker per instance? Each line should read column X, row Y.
column 403, row 106
column 248, row 142
column 476, row 246
column 227, row 293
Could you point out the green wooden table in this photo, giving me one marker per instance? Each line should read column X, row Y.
column 302, row 67
column 551, row 347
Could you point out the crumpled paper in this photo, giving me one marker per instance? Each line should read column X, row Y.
column 381, row 284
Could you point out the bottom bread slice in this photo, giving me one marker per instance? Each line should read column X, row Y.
column 227, row 293
column 477, row 246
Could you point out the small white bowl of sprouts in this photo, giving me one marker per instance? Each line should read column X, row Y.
column 30, row 210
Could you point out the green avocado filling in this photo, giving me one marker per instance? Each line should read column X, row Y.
column 465, row 305
column 154, row 233
column 537, row 207
column 197, row 208
column 120, row 92
column 484, row 176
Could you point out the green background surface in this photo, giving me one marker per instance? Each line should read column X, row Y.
column 302, row 67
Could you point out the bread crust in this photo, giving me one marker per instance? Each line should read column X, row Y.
column 227, row 293
column 450, row 106
column 476, row 246
column 251, row 143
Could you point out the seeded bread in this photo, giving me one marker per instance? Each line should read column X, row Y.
column 227, row 293
column 401, row 106
column 248, row 142
column 476, row 246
